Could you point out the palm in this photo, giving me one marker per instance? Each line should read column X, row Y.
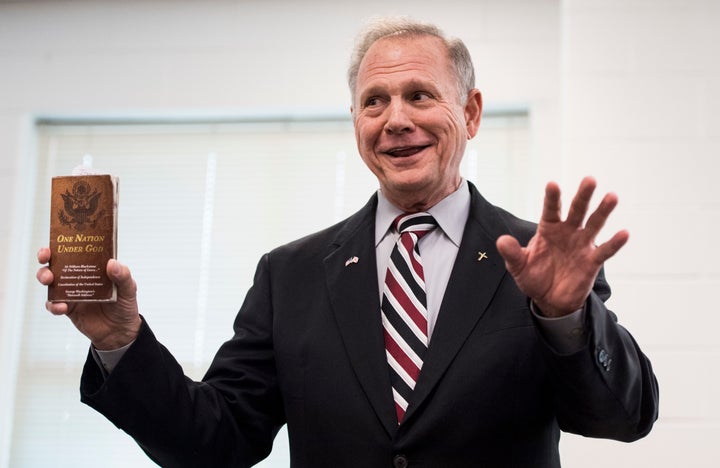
column 100, row 321
column 559, row 265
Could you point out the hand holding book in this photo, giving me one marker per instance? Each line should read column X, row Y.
column 108, row 325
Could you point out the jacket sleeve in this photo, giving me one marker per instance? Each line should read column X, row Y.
column 228, row 419
column 608, row 388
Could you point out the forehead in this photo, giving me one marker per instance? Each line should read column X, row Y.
column 419, row 57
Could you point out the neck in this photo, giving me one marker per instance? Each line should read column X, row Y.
column 414, row 201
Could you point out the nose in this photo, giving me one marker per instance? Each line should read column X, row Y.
column 398, row 119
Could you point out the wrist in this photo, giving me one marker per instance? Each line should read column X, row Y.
column 120, row 337
column 550, row 311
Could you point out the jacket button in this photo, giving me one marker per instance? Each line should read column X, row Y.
column 604, row 359
column 400, row 461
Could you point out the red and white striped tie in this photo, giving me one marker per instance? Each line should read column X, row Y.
column 404, row 308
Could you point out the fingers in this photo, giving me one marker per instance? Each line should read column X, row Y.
column 597, row 219
column 579, row 208
column 551, row 204
column 43, row 255
column 579, row 205
column 44, row 275
column 611, row 247
column 57, row 308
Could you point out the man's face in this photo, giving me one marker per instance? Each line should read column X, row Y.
column 410, row 124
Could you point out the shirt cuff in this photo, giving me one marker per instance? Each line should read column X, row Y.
column 566, row 335
column 109, row 359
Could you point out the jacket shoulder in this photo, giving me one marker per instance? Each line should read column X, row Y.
column 497, row 221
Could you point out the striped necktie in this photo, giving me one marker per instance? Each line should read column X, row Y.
column 404, row 308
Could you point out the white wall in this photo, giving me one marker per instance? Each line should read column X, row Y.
column 622, row 89
column 640, row 111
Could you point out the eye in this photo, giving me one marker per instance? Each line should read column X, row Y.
column 372, row 101
column 421, row 96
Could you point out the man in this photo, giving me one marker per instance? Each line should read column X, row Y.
column 478, row 358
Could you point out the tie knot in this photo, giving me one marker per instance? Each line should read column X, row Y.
column 418, row 223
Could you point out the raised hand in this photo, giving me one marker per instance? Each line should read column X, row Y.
column 108, row 325
column 558, row 267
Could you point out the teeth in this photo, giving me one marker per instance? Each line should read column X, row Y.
column 405, row 151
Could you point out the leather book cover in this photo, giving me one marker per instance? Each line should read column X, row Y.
column 83, row 237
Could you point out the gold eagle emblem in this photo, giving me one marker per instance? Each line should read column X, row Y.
column 80, row 206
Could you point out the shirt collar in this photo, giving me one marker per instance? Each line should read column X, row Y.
column 451, row 214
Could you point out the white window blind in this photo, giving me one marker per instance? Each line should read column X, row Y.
column 199, row 204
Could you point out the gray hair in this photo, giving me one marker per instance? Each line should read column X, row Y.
column 401, row 26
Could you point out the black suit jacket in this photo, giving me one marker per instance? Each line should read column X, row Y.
column 308, row 351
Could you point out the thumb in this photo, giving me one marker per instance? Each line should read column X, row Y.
column 511, row 251
column 120, row 275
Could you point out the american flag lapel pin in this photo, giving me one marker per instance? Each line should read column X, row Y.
column 351, row 260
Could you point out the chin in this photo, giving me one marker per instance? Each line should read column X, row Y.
column 410, row 186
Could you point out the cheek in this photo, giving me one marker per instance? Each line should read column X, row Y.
column 365, row 135
column 450, row 135
column 446, row 123
column 452, row 142
column 365, row 145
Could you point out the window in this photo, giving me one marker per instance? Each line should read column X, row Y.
column 199, row 204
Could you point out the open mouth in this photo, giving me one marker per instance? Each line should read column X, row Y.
column 405, row 151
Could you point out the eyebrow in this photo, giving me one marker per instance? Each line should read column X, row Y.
column 413, row 84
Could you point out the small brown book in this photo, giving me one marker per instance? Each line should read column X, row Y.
column 83, row 237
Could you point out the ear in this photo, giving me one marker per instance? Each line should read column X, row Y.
column 473, row 111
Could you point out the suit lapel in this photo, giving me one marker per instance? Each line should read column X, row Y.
column 355, row 302
column 478, row 270
column 351, row 274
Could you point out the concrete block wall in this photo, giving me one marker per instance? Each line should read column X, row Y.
column 640, row 106
column 624, row 90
